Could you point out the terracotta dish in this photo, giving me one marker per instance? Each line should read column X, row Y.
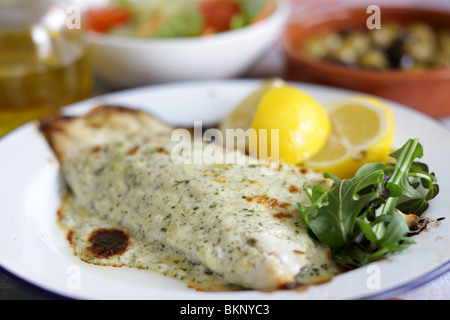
column 427, row 90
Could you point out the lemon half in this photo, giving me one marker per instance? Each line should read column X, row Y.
column 301, row 124
column 242, row 115
column 362, row 132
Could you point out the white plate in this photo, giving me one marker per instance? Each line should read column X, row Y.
column 33, row 248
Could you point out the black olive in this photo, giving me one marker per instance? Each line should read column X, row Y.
column 394, row 53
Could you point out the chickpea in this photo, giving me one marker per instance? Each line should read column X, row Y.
column 385, row 36
column 420, row 31
column 421, row 41
column 353, row 45
column 319, row 47
column 358, row 40
column 373, row 59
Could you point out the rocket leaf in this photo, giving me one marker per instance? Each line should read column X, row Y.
column 358, row 219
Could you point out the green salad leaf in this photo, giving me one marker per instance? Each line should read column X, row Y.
column 359, row 218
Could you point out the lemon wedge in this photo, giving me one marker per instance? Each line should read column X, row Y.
column 362, row 132
column 301, row 124
column 241, row 116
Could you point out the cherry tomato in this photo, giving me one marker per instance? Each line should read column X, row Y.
column 218, row 13
column 102, row 20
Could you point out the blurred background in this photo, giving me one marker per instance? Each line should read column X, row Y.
column 52, row 55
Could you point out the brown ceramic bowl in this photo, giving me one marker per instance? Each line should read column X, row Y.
column 427, row 91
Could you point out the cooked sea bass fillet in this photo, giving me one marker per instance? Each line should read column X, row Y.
column 240, row 225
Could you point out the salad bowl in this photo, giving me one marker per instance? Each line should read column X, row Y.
column 126, row 61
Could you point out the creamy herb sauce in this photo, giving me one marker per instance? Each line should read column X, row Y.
column 207, row 225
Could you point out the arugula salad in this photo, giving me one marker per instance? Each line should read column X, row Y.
column 364, row 218
column 176, row 18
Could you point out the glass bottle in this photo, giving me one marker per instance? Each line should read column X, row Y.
column 44, row 61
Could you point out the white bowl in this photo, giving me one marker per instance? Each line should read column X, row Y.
column 129, row 62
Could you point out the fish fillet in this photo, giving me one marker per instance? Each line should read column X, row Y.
column 238, row 223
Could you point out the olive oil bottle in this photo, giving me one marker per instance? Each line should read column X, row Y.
column 44, row 65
